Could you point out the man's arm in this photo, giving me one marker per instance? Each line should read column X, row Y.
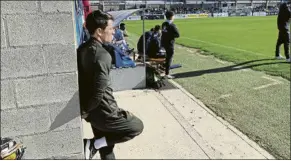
column 175, row 31
column 120, row 37
column 101, row 78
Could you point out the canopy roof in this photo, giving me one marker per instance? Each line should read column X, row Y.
column 121, row 15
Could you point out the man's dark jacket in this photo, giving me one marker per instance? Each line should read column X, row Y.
column 283, row 18
column 169, row 33
column 148, row 35
column 94, row 64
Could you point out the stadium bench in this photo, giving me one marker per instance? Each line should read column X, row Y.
column 157, row 63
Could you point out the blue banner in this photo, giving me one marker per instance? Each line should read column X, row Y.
column 79, row 20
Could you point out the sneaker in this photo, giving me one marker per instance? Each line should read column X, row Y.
column 170, row 76
column 279, row 57
column 288, row 60
column 89, row 148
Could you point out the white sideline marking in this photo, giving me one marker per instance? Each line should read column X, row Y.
column 225, row 96
column 228, row 47
column 274, row 82
column 204, row 56
column 220, row 61
column 190, row 51
column 245, row 70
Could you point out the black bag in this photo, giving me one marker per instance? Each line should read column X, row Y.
column 153, row 78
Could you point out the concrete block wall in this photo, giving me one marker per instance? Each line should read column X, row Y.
column 128, row 78
column 39, row 85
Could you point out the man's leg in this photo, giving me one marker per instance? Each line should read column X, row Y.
column 122, row 128
column 169, row 57
column 287, row 45
column 279, row 42
column 106, row 153
column 111, row 131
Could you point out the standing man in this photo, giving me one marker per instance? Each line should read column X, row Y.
column 284, row 33
column 169, row 34
column 110, row 124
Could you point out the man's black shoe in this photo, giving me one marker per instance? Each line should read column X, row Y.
column 89, row 148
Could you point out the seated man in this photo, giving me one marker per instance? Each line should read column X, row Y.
column 122, row 28
column 119, row 58
column 118, row 39
column 154, row 49
column 148, row 35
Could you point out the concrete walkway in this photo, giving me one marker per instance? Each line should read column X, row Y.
column 178, row 126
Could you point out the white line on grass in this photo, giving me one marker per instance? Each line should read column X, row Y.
column 225, row 96
column 228, row 47
column 274, row 82
column 245, row 70
column 220, row 61
column 224, row 46
column 190, row 51
column 204, row 56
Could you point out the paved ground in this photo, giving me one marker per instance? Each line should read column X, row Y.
column 178, row 126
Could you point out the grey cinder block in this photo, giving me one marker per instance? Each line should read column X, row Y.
column 57, row 143
column 7, row 95
column 3, row 34
column 24, row 121
column 22, row 62
column 60, row 58
column 65, row 115
column 46, row 89
column 12, row 7
column 56, row 6
column 122, row 79
column 40, row 29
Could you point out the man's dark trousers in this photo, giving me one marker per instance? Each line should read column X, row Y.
column 169, row 58
column 283, row 38
column 117, row 129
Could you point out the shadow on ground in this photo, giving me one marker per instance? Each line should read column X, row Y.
column 68, row 113
column 240, row 66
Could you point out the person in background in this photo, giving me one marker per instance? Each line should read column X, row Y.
column 110, row 124
column 148, row 35
column 123, row 29
column 155, row 43
column 169, row 34
column 120, row 41
column 157, row 32
column 284, row 33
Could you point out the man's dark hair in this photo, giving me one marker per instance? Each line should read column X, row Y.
column 152, row 29
column 122, row 26
column 169, row 14
column 97, row 19
column 283, row 8
column 283, row 14
column 157, row 28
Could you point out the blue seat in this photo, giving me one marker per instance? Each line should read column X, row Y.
column 120, row 59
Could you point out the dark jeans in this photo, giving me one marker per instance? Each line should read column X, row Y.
column 117, row 129
column 169, row 57
column 283, row 38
